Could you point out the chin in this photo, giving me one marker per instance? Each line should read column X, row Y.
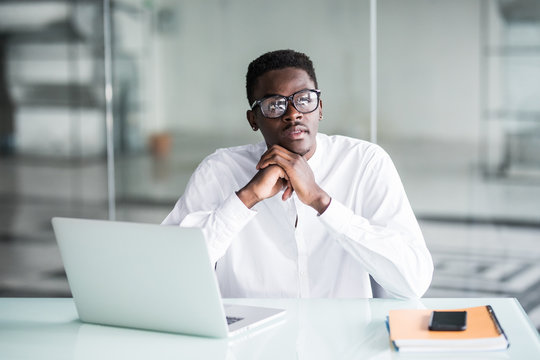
column 297, row 147
column 298, row 151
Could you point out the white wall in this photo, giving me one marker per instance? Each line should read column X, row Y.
column 428, row 63
column 202, row 67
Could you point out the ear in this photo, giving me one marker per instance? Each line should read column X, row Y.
column 320, row 110
column 250, row 115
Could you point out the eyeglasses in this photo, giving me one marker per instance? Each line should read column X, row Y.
column 274, row 106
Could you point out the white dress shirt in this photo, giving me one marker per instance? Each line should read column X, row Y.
column 368, row 228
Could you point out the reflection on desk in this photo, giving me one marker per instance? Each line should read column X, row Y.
column 312, row 329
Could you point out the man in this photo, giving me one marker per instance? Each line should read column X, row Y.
column 302, row 214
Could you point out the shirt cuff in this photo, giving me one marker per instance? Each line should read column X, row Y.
column 337, row 217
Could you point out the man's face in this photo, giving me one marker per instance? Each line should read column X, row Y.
column 293, row 130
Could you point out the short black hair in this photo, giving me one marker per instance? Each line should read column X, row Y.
column 275, row 60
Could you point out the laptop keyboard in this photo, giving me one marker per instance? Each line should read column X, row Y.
column 232, row 319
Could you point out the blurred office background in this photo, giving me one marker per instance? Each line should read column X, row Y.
column 458, row 85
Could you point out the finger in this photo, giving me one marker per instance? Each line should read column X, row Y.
column 282, row 160
column 288, row 192
column 286, row 195
column 271, row 153
column 274, row 160
column 276, row 171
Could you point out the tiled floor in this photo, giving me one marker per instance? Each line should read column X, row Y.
column 472, row 258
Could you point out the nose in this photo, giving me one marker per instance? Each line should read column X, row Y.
column 291, row 114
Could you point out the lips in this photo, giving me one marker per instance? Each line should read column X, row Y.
column 295, row 132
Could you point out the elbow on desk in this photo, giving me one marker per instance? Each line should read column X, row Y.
column 421, row 282
column 415, row 285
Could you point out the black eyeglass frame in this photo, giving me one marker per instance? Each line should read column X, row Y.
column 288, row 99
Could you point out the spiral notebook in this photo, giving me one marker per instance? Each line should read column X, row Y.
column 409, row 331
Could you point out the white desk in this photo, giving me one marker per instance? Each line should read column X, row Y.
column 312, row 329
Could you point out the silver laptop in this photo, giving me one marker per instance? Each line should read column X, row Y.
column 148, row 276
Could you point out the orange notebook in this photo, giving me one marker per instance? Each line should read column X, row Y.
column 409, row 331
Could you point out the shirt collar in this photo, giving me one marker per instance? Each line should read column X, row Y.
column 319, row 151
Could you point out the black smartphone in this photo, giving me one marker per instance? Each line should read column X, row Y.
column 448, row 321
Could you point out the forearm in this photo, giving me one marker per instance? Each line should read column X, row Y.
column 248, row 197
column 395, row 255
column 219, row 225
column 320, row 201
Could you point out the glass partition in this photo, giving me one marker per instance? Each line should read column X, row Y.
column 458, row 95
column 52, row 135
column 188, row 62
column 457, row 111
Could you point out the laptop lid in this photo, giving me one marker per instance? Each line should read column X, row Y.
column 141, row 275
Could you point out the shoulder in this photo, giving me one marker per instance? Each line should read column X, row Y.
column 354, row 156
column 339, row 145
column 243, row 155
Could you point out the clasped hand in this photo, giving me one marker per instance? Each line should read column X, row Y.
column 281, row 169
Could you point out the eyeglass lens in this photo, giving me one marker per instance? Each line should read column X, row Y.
column 304, row 101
